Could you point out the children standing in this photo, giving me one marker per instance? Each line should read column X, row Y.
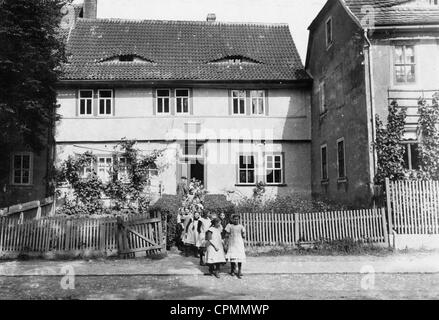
column 191, row 236
column 236, row 250
column 215, row 251
column 204, row 224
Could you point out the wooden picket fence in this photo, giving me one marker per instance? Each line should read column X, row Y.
column 30, row 210
column 79, row 236
column 307, row 228
column 413, row 206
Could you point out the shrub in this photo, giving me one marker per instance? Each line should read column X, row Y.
column 168, row 206
column 217, row 203
column 287, row 204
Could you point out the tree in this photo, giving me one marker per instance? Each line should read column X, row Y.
column 31, row 55
column 429, row 146
column 390, row 151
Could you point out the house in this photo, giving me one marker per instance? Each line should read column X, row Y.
column 363, row 54
column 229, row 103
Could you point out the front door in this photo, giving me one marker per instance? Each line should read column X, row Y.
column 191, row 163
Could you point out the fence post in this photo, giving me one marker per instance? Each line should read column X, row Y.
column 121, row 235
column 68, row 234
column 39, row 210
column 383, row 219
column 102, row 229
column 389, row 206
column 296, row 228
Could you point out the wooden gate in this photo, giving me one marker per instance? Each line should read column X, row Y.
column 140, row 236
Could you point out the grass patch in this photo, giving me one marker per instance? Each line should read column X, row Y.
column 345, row 247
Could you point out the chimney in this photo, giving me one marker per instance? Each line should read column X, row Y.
column 211, row 17
column 90, row 9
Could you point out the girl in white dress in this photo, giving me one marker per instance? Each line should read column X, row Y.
column 215, row 251
column 204, row 224
column 192, row 235
column 236, row 250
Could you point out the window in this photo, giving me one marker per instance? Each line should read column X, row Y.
column 411, row 156
column 274, row 169
column 182, row 100
column 247, row 169
column 238, row 98
column 22, row 168
column 122, row 173
column 257, row 102
column 163, row 97
column 105, row 102
column 324, row 162
column 193, row 148
column 329, row 33
column 152, row 172
column 341, row 159
column 434, row 2
column 85, row 102
column 405, row 64
column 322, row 101
column 104, row 168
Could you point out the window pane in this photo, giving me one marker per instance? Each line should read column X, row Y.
column 101, row 106
column 179, row 107
column 400, row 73
column 242, row 176
column 82, row 107
column 261, row 106
column 270, row 176
column 182, row 93
column 26, row 162
column 86, row 94
column 17, row 176
column 160, row 106
column 415, row 156
column 399, row 58
column 277, row 176
column 341, row 159
column 89, row 107
column 277, row 162
column 251, row 176
column 269, row 162
column 235, row 106
column 163, row 93
column 25, row 178
column 108, row 107
column 185, row 105
column 105, row 93
column 410, row 73
column 17, row 162
column 242, row 161
column 241, row 106
column 254, row 106
column 409, row 54
column 166, row 105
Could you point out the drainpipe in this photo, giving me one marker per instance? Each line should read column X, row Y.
column 369, row 75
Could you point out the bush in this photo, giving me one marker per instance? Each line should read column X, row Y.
column 168, row 206
column 287, row 204
column 217, row 203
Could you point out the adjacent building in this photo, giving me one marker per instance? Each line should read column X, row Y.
column 229, row 103
column 363, row 54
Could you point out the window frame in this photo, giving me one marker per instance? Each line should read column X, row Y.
column 322, row 97
column 409, row 145
column 246, row 169
column 282, row 168
column 331, row 34
column 344, row 177
column 31, row 168
column 179, row 97
column 111, row 99
column 322, row 176
column 92, row 103
column 110, row 167
column 123, row 179
column 238, row 98
column 157, row 102
column 263, row 99
column 404, row 64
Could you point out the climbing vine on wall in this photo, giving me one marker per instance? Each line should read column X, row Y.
column 390, row 152
column 429, row 144
column 126, row 191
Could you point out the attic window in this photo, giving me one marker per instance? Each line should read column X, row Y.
column 235, row 60
column 126, row 58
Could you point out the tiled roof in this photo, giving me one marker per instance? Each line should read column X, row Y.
column 181, row 50
column 396, row 12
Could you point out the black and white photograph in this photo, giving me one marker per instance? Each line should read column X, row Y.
column 236, row 152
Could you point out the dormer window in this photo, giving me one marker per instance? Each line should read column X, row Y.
column 235, row 60
column 329, row 38
column 126, row 58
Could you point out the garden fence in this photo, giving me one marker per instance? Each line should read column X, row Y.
column 413, row 206
column 307, row 228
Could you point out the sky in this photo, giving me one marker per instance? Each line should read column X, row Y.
column 297, row 13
